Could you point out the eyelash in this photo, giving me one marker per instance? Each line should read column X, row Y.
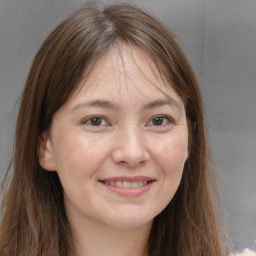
column 90, row 119
column 167, row 119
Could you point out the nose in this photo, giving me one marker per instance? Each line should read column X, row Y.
column 130, row 149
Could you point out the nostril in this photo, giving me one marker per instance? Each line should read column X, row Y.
column 130, row 154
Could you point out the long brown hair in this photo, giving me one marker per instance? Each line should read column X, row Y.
column 33, row 220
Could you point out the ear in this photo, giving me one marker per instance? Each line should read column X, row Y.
column 45, row 153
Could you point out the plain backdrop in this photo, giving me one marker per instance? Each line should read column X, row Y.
column 219, row 38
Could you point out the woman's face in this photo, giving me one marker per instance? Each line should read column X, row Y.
column 118, row 144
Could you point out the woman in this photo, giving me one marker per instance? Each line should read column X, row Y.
column 110, row 153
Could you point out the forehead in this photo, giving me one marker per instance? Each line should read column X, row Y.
column 124, row 70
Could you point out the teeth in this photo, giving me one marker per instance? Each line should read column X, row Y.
column 119, row 184
column 136, row 184
column 126, row 184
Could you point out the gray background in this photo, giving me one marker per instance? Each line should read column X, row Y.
column 219, row 38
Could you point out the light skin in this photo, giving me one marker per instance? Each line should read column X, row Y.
column 119, row 128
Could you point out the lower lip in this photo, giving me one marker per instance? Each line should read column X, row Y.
column 128, row 192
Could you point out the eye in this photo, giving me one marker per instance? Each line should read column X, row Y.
column 160, row 121
column 96, row 121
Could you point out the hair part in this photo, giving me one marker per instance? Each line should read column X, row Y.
column 33, row 207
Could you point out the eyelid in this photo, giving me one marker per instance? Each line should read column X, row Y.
column 170, row 120
column 87, row 119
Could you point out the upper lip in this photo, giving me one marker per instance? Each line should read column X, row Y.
column 129, row 178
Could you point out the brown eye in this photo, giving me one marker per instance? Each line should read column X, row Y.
column 160, row 121
column 96, row 121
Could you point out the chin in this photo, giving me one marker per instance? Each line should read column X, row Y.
column 130, row 221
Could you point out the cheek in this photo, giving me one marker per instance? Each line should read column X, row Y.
column 78, row 155
column 169, row 160
column 171, row 157
column 174, row 153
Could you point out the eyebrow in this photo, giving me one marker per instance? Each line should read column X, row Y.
column 110, row 105
column 162, row 102
column 96, row 103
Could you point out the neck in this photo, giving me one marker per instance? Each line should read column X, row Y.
column 96, row 239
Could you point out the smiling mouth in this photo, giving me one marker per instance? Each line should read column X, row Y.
column 127, row 184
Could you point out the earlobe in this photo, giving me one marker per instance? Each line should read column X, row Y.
column 45, row 153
